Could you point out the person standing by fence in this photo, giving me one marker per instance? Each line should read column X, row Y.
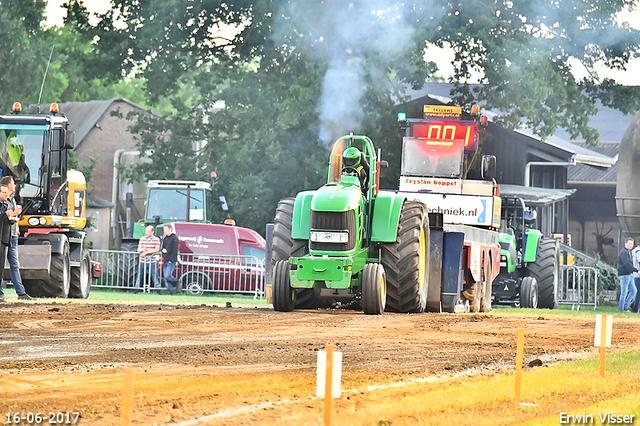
column 149, row 246
column 5, row 229
column 625, row 273
column 12, row 248
column 635, row 255
column 170, row 246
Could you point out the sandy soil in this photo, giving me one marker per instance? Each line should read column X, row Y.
column 225, row 365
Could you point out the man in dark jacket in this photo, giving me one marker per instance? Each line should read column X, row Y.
column 625, row 273
column 12, row 249
column 6, row 216
column 170, row 246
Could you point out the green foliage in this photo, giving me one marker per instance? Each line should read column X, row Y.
column 523, row 52
column 20, row 58
column 295, row 75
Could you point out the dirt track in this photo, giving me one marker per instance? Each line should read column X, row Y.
column 246, row 365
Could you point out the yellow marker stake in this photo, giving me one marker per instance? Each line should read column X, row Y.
column 328, row 386
column 519, row 355
column 127, row 398
column 603, row 344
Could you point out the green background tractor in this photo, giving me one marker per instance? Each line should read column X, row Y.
column 529, row 263
column 347, row 237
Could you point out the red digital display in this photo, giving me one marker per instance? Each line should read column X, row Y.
column 444, row 133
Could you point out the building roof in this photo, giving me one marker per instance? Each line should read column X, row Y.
column 580, row 153
column 97, row 202
column 581, row 174
column 83, row 116
column 610, row 123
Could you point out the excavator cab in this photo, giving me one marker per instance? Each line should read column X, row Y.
column 54, row 258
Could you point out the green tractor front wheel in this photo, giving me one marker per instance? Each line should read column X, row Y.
column 283, row 295
column 374, row 290
column 529, row 293
column 284, row 247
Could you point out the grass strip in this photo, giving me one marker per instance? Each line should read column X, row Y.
column 573, row 388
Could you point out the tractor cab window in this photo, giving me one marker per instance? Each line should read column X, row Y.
column 21, row 153
column 56, row 170
column 171, row 204
column 58, row 167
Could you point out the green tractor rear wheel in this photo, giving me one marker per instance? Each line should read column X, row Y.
column 283, row 295
column 374, row 293
column 285, row 247
column 406, row 261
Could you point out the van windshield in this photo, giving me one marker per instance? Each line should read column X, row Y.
column 171, row 204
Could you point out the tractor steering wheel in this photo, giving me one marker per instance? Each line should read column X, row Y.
column 351, row 171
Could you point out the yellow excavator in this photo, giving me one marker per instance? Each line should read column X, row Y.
column 54, row 257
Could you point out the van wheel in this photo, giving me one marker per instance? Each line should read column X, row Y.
column 193, row 284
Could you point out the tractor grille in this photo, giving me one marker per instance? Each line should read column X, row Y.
column 334, row 221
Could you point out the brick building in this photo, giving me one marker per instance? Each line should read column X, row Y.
column 102, row 133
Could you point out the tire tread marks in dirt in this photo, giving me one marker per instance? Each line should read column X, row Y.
column 285, row 247
column 545, row 270
column 401, row 261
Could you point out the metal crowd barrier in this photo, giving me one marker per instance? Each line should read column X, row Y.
column 579, row 286
column 198, row 274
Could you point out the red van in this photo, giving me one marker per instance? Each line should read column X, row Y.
column 219, row 258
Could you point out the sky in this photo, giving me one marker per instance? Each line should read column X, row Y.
column 442, row 57
column 55, row 12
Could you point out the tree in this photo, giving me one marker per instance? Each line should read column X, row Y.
column 524, row 52
column 296, row 74
column 20, row 57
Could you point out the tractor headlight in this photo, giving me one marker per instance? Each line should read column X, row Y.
column 35, row 221
column 329, row 237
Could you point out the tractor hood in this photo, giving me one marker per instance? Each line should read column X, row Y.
column 338, row 198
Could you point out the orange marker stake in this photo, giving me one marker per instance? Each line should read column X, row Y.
column 328, row 386
column 127, row 398
column 603, row 344
column 519, row 355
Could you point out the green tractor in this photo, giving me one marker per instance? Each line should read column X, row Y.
column 168, row 201
column 529, row 263
column 349, row 238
